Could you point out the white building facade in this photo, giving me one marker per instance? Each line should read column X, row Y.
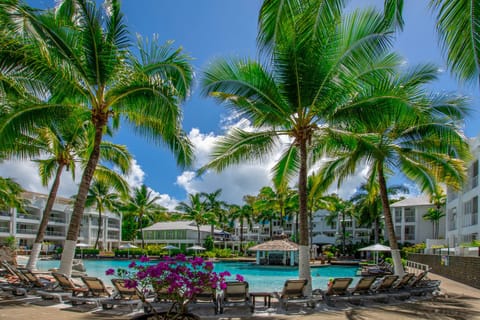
column 408, row 221
column 24, row 226
column 462, row 207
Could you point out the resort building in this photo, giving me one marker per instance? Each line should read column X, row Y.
column 180, row 233
column 408, row 221
column 24, row 225
column 462, row 207
column 343, row 227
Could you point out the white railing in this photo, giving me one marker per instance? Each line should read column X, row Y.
column 416, row 267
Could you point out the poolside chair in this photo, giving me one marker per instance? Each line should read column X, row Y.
column 292, row 292
column 97, row 292
column 362, row 290
column 64, row 289
column 37, row 282
column 420, row 285
column 209, row 297
column 337, row 290
column 403, row 282
column 123, row 296
column 235, row 293
column 386, row 283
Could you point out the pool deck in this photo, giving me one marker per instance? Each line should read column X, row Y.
column 456, row 301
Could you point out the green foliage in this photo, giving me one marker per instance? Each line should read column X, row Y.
column 208, row 244
column 390, row 261
column 129, row 228
column 11, row 242
column 474, row 243
column 87, row 251
column 223, row 253
column 416, row 248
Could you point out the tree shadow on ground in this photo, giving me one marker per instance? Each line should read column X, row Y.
column 451, row 308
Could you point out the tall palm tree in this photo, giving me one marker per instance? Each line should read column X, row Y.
column 315, row 61
column 102, row 196
column 194, row 210
column 420, row 139
column 89, row 61
column 215, row 207
column 434, row 215
column 368, row 206
column 61, row 147
column 143, row 205
column 242, row 214
column 266, row 207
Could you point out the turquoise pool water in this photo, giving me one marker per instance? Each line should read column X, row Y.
column 260, row 278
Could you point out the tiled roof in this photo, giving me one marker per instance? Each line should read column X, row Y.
column 178, row 225
column 275, row 245
column 409, row 202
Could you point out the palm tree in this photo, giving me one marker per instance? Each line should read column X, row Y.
column 103, row 198
column 242, row 214
column 215, row 207
column 64, row 145
column 368, row 206
column 421, row 139
column 194, row 210
column 434, row 215
column 10, row 194
column 266, row 207
column 143, row 205
column 89, row 62
column 315, row 62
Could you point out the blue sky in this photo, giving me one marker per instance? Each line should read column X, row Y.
column 214, row 28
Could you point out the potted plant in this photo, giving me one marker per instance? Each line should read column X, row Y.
column 181, row 278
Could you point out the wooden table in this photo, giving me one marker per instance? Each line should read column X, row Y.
column 267, row 296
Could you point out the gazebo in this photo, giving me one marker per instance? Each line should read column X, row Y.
column 276, row 252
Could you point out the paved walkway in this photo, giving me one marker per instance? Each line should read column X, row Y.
column 456, row 301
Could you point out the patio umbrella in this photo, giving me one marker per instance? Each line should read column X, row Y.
column 196, row 248
column 81, row 246
column 128, row 246
column 170, row 247
column 376, row 248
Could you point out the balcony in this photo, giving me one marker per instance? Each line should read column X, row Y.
column 27, row 231
column 5, row 229
column 28, row 217
column 55, row 233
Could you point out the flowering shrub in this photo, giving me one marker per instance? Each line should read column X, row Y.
column 178, row 278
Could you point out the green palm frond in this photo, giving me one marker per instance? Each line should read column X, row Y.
column 458, row 24
column 287, row 167
column 112, row 179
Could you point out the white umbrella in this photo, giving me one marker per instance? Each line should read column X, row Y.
column 170, row 247
column 376, row 248
column 128, row 246
column 81, row 246
column 196, row 248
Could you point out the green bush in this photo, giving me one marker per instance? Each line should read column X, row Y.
column 208, row 243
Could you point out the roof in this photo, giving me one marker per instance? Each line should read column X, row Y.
column 275, row 245
column 179, row 225
column 410, row 202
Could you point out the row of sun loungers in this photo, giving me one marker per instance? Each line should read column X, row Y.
column 94, row 292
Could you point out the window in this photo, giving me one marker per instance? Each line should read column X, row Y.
column 409, row 233
column 409, row 214
column 470, row 212
column 398, row 233
column 473, row 170
column 398, row 215
column 452, row 219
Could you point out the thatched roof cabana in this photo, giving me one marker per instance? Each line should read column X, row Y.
column 275, row 245
column 276, row 252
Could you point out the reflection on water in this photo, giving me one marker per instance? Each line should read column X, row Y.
column 260, row 278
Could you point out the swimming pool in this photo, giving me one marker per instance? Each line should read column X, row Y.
column 260, row 278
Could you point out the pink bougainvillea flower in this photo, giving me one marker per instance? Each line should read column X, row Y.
column 130, row 284
column 132, row 264
column 109, row 272
column 144, row 259
column 240, row 278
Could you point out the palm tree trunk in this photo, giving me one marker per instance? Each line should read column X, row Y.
column 198, row 234
column 304, row 252
column 79, row 205
column 140, row 227
column 37, row 245
column 99, row 232
column 241, row 235
column 271, row 228
column 376, row 231
column 397, row 260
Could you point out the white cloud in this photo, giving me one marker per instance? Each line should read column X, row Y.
column 136, row 176
column 26, row 174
